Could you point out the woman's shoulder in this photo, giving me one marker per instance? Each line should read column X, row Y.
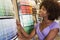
column 37, row 25
column 55, row 25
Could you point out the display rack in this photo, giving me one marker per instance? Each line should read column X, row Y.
column 6, row 17
column 8, row 27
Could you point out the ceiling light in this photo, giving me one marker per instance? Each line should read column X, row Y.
column 58, row 1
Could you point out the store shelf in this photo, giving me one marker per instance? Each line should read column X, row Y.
column 6, row 17
column 15, row 38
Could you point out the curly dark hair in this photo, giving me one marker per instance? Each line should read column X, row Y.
column 53, row 9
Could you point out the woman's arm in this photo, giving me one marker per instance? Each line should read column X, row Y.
column 52, row 34
column 23, row 32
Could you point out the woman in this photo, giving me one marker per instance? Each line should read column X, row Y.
column 48, row 29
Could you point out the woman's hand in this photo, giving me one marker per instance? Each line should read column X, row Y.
column 18, row 23
column 21, row 34
column 21, row 30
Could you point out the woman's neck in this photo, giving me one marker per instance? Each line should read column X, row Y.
column 46, row 21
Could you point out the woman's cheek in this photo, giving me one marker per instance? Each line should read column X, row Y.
column 41, row 15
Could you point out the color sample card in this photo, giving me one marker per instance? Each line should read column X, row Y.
column 27, row 23
column 26, row 9
column 26, row 20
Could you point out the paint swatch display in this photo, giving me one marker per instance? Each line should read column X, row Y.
column 7, row 24
column 7, row 29
column 6, row 8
